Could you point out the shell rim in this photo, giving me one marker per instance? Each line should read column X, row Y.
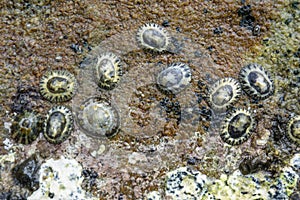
column 290, row 136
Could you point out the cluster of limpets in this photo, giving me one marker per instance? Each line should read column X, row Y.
column 238, row 125
column 96, row 116
column 56, row 86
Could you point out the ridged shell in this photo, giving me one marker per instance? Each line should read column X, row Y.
column 153, row 37
column 58, row 85
column 224, row 93
column 237, row 127
column 58, row 124
column 26, row 127
column 256, row 81
column 293, row 129
column 175, row 78
column 98, row 118
column 108, row 70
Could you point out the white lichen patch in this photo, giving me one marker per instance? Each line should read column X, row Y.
column 295, row 161
column 154, row 195
column 184, row 183
column 284, row 185
column 254, row 186
column 60, row 179
column 7, row 144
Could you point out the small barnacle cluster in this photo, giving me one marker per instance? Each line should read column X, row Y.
column 239, row 123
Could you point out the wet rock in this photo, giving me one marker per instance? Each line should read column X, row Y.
column 27, row 173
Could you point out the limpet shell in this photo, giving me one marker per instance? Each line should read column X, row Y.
column 293, row 129
column 58, row 85
column 58, row 124
column 175, row 78
column 224, row 93
column 237, row 127
column 108, row 70
column 256, row 81
column 98, row 118
column 153, row 37
column 26, row 127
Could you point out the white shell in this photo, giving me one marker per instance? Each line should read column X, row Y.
column 175, row 78
column 224, row 93
column 98, row 118
column 153, row 37
column 108, row 70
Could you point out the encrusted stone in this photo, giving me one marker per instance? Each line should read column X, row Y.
column 27, row 172
column 256, row 81
column 58, row 85
column 184, row 183
column 108, row 70
column 58, row 124
column 153, row 37
column 98, row 118
column 237, row 127
column 26, row 127
column 175, row 78
column 293, row 129
column 224, row 93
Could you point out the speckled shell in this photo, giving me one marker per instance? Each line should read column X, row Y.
column 98, row 118
column 58, row 85
column 26, row 127
column 58, row 124
column 108, row 70
column 175, row 78
column 237, row 127
column 153, row 37
column 293, row 129
column 224, row 93
column 256, row 81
